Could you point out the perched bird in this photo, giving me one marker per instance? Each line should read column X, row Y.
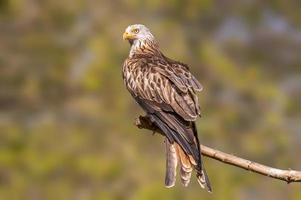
column 166, row 91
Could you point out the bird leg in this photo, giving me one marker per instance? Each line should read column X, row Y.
column 144, row 122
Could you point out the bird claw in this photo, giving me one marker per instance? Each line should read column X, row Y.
column 137, row 122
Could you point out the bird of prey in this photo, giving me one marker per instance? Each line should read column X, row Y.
column 166, row 91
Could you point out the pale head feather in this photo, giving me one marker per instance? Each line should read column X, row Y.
column 139, row 32
column 139, row 36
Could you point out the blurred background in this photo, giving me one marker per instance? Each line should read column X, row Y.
column 66, row 119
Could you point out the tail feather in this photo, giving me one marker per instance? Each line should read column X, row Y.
column 185, row 175
column 171, row 164
column 185, row 166
column 189, row 155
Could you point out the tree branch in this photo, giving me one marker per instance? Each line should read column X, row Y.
column 143, row 122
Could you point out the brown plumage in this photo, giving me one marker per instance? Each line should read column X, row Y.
column 166, row 90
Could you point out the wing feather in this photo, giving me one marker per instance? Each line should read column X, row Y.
column 164, row 82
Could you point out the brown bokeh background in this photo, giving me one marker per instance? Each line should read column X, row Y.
column 66, row 120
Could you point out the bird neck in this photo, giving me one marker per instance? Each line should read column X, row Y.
column 144, row 47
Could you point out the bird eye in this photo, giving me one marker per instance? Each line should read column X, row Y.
column 136, row 30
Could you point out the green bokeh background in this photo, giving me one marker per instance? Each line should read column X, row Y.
column 66, row 119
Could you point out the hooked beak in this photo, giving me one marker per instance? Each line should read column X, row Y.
column 128, row 36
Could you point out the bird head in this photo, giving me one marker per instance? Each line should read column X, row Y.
column 137, row 32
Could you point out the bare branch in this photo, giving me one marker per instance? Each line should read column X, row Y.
column 143, row 122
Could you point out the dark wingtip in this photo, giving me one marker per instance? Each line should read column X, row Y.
column 203, row 180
